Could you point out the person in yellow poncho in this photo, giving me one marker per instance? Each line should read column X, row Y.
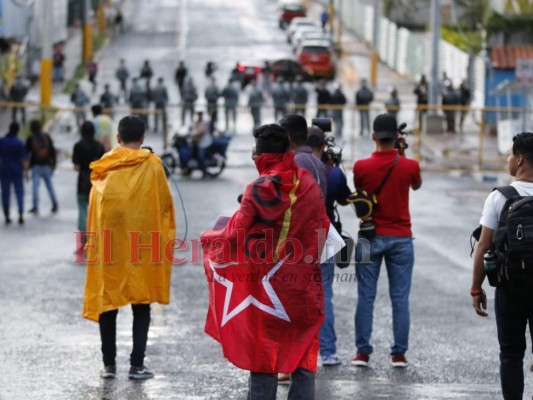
column 130, row 235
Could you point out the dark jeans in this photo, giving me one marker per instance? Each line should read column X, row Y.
column 512, row 316
column 108, row 334
column 265, row 386
column 15, row 111
column 17, row 182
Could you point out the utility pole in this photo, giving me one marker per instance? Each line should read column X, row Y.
column 101, row 17
column 435, row 56
column 46, row 58
column 374, row 55
column 87, row 40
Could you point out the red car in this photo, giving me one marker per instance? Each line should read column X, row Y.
column 290, row 10
column 318, row 59
column 247, row 71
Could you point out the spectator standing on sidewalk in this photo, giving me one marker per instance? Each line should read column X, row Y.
column 394, row 174
column 179, row 77
column 465, row 97
column 17, row 94
column 231, row 101
column 92, row 71
column 80, row 100
column 299, row 97
column 12, row 165
column 338, row 101
column 255, row 102
column 188, row 101
column 42, row 156
column 323, row 98
column 85, row 151
column 160, row 97
column 363, row 97
column 122, row 74
column 134, row 278
column 58, row 61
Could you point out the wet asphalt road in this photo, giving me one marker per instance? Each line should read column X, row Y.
column 49, row 352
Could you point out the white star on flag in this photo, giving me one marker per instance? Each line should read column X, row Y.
column 277, row 311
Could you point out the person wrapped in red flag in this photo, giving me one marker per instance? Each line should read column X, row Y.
column 266, row 301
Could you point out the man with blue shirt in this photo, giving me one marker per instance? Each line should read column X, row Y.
column 12, row 156
column 337, row 191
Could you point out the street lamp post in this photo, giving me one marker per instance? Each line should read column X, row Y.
column 87, row 42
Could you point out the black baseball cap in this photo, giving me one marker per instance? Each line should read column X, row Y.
column 385, row 127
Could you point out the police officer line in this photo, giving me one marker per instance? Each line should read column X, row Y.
column 413, row 114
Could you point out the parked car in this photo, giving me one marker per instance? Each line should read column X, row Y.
column 249, row 71
column 318, row 59
column 288, row 69
column 289, row 10
column 296, row 23
column 302, row 33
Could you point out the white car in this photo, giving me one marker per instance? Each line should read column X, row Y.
column 301, row 33
column 297, row 22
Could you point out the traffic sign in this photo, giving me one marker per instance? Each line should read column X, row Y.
column 524, row 70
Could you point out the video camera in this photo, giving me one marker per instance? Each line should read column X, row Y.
column 332, row 153
column 400, row 142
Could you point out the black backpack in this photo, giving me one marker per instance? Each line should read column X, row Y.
column 513, row 245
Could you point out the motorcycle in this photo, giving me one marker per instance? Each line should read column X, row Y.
column 185, row 155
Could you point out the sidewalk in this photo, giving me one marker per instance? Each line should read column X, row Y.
column 440, row 149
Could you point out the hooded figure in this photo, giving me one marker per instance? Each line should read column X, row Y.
column 129, row 206
column 272, row 245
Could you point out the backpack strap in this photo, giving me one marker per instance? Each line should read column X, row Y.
column 508, row 191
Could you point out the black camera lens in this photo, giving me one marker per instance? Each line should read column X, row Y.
column 323, row 123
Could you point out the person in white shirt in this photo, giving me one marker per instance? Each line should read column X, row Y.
column 512, row 314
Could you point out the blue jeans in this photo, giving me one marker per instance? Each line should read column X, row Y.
column 45, row 172
column 265, row 386
column 327, row 335
column 398, row 253
column 512, row 316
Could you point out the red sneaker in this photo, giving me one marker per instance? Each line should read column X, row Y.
column 398, row 361
column 361, row 360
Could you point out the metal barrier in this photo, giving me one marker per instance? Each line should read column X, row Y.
column 472, row 148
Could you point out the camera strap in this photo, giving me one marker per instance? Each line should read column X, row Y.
column 387, row 175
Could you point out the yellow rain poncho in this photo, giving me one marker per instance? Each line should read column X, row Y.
column 131, row 231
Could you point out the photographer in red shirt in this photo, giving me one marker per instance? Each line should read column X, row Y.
column 389, row 169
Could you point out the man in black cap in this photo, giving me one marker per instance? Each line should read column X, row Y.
column 389, row 175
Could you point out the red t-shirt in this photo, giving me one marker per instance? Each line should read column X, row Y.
column 391, row 216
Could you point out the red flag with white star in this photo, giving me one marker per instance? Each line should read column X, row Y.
column 266, row 301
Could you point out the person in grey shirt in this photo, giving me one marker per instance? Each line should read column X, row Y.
column 188, row 99
column 231, row 100
column 280, row 98
column 212, row 93
column 80, row 101
column 160, row 98
column 299, row 97
column 17, row 94
column 138, row 101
